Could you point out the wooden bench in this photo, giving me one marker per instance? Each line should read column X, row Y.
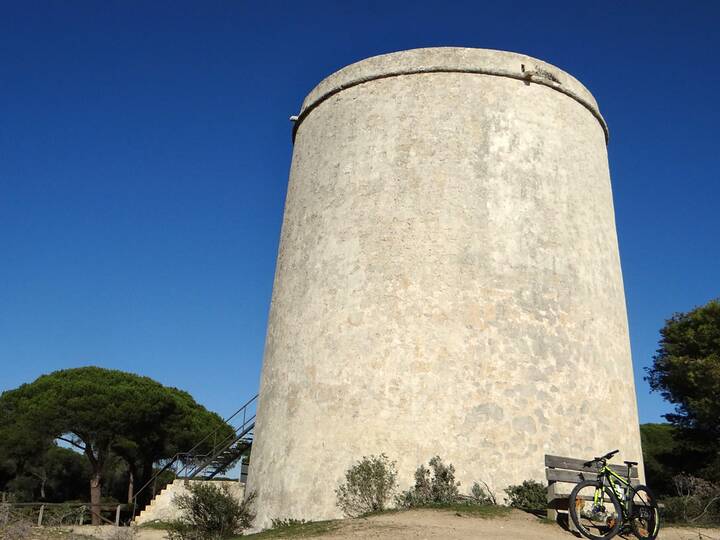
column 564, row 470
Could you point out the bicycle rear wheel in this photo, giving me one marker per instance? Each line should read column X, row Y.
column 644, row 514
column 596, row 512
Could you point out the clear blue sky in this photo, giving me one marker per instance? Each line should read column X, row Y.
column 145, row 146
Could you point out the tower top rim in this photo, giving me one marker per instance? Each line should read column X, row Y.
column 452, row 60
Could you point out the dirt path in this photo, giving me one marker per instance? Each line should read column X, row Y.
column 430, row 524
column 436, row 525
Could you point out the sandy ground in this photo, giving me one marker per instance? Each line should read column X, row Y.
column 430, row 524
column 437, row 525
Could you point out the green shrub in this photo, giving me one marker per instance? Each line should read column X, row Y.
column 482, row 494
column 433, row 486
column 530, row 495
column 210, row 513
column 368, row 486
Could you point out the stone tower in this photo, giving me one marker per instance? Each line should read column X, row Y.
column 448, row 281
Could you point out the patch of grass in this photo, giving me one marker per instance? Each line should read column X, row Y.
column 476, row 510
column 296, row 530
column 156, row 525
column 384, row 512
column 57, row 533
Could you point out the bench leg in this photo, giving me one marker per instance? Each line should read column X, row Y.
column 552, row 513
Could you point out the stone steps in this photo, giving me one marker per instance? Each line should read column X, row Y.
column 162, row 507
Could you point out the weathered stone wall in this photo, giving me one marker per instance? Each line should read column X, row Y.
column 448, row 281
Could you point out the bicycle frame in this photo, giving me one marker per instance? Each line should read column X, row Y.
column 606, row 474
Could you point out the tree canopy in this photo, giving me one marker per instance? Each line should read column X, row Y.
column 102, row 412
column 686, row 371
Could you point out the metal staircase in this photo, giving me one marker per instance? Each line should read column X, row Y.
column 225, row 450
column 222, row 457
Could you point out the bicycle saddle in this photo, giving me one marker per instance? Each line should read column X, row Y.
column 630, row 463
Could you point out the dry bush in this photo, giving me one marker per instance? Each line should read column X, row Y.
column 211, row 513
column 697, row 501
column 14, row 527
column 122, row 533
column 369, row 485
column 481, row 494
column 433, row 486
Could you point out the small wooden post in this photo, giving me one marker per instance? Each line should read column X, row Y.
column 117, row 515
column 82, row 515
column 40, row 515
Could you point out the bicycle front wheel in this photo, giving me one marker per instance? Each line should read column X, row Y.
column 644, row 514
column 595, row 511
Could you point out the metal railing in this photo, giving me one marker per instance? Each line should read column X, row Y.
column 191, row 463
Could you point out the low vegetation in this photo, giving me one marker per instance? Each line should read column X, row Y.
column 697, row 502
column 481, row 494
column 369, row 486
column 210, row 513
column 295, row 529
column 15, row 529
column 530, row 496
column 434, row 485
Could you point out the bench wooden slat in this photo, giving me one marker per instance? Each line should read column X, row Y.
column 575, row 477
column 559, row 462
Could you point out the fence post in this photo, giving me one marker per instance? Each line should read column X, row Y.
column 82, row 515
column 40, row 515
column 117, row 515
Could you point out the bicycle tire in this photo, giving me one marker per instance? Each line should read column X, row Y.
column 577, row 506
column 644, row 518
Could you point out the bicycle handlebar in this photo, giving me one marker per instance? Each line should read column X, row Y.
column 602, row 458
column 609, row 455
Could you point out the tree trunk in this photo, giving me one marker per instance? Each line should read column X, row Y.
column 131, row 486
column 97, row 460
column 95, row 495
column 42, row 476
column 146, row 472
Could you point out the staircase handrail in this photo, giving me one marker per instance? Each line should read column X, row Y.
column 177, row 456
column 226, row 443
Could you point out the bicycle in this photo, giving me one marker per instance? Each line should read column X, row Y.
column 610, row 504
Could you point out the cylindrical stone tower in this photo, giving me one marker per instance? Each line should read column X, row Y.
column 448, row 281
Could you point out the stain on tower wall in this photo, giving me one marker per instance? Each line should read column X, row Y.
column 448, row 281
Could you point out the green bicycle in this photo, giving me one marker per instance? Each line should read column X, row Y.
column 610, row 504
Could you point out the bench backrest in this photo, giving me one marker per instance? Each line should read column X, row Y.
column 574, row 471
